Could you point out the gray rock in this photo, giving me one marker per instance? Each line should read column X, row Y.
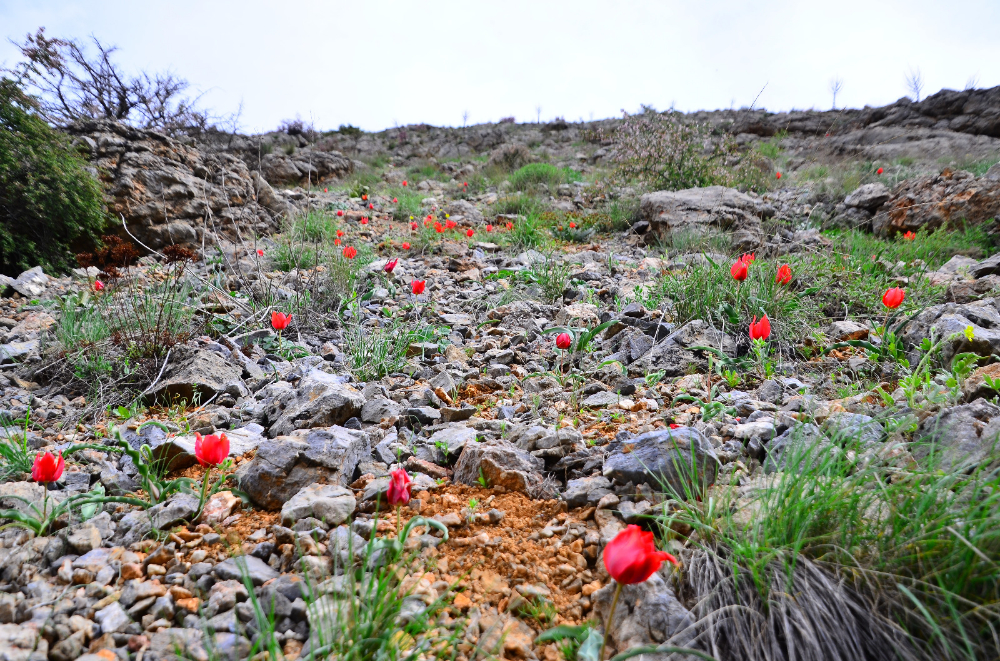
column 319, row 400
column 959, row 437
column 346, row 547
column 31, row 283
column 178, row 451
column 85, row 538
column 647, row 614
column 285, row 465
column 706, row 210
column 680, row 460
column 175, row 644
column 17, row 642
column 234, row 569
column 134, row 526
column 450, row 414
column 330, row 503
column 423, row 415
column 949, row 322
column 16, row 352
column 600, row 399
column 770, row 391
column 763, row 429
column 200, row 372
column 112, row 618
column 501, row 463
column 869, row 196
column 446, row 445
column 378, row 409
column 852, row 428
column 586, row 491
column 799, row 447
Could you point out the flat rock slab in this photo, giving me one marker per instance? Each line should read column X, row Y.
column 178, row 451
column 195, row 372
column 680, row 460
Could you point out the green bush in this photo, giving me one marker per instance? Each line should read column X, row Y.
column 50, row 206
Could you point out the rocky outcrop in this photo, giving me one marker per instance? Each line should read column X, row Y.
column 310, row 165
column 952, row 198
column 172, row 192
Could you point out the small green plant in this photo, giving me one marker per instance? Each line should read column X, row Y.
column 551, row 275
column 15, row 455
column 653, row 378
column 582, row 337
column 533, row 174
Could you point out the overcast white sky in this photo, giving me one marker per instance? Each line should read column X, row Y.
column 377, row 63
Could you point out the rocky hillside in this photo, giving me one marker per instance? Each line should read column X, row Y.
column 494, row 367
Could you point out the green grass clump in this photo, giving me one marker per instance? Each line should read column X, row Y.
column 519, row 204
column 527, row 234
column 900, row 562
column 407, row 203
column 531, row 175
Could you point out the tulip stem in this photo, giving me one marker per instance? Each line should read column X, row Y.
column 204, row 491
column 399, row 516
column 611, row 617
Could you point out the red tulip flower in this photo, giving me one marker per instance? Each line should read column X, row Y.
column 364, row 221
column 413, row 226
column 406, row 246
column 784, row 275
column 404, row 182
column 364, row 198
column 340, row 232
column 339, row 212
column 336, row 242
column 438, row 228
column 674, row 425
column 350, row 252
column 777, row 175
column 879, row 171
column 211, row 450
column 390, row 265
column 465, row 183
column 510, row 225
column 98, row 285
column 893, row 298
column 739, row 270
column 748, row 258
column 326, row 190
column 760, row 330
column 631, row 557
column 280, row 320
column 469, row 233
column 394, row 200
column 489, row 228
column 47, row 468
column 399, row 488
column 450, row 224
column 260, row 253
column 909, row 236
column 417, row 287
column 564, row 341
column 572, row 226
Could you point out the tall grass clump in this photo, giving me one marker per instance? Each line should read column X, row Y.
column 840, row 555
column 408, row 203
column 533, row 174
column 377, row 348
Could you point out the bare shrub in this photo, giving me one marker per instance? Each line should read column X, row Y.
column 668, row 154
column 72, row 83
column 509, row 157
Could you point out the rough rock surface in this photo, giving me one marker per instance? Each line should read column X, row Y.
column 705, row 210
column 681, row 460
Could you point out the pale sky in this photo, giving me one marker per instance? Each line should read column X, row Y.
column 379, row 63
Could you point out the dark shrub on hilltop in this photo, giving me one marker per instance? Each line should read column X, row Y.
column 50, row 205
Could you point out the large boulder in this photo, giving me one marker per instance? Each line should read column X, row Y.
column 501, row 463
column 952, row 197
column 959, row 437
column 868, row 197
column 318, row 400
column 200, row 373
column 679, row 460
column 286, row 465
column 702, row 211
